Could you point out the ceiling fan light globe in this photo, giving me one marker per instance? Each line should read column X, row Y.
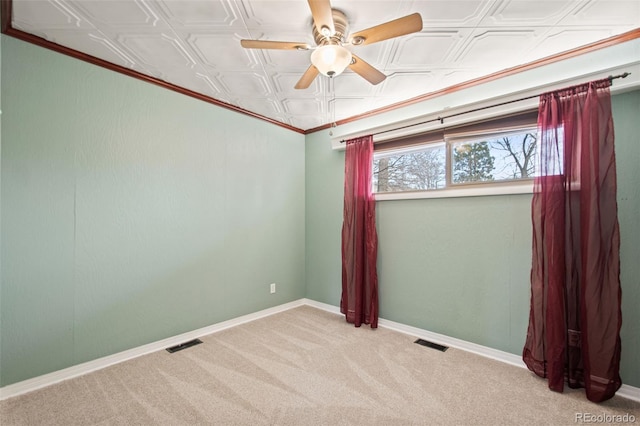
column 331, row 59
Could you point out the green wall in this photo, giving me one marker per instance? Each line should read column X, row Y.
column 460, row 266
column 626, row 109
column 132, row 213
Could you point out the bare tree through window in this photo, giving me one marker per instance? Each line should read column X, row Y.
column 518, row 154
column 411, row 171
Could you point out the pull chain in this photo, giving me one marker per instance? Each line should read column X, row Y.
column 331, row 105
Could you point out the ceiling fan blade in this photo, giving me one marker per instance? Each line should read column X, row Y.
column 309, row 75
column 398, row 27
column 265, row 44
column 366, row 71
column 322, row 15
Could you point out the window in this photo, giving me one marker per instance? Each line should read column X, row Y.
column 494, row 157
column 410, row 170
column 488, row 154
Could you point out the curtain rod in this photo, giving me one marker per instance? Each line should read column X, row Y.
column 441, row 119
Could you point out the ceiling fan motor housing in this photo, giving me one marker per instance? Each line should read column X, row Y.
column 341, row 26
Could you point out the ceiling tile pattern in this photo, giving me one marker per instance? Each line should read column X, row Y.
column 195, row 44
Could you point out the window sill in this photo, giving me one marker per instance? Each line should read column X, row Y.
column 466, row 191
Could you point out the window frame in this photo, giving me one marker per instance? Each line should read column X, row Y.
column 455, row 135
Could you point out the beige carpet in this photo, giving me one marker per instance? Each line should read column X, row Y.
column 307, row 367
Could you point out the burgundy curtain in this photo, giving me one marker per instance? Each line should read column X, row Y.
column 359, row 300
column 575, row 316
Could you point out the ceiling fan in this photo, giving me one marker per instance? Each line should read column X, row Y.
column 330, row 32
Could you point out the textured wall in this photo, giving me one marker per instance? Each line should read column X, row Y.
column 132, row 213
column 626, row 109
column 460, row 266
column 325, row 193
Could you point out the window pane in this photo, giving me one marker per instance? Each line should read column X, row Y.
column 410, row 171
column 495, row 158
column 552, row 155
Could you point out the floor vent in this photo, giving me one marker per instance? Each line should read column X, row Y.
column 184, row 345
column 431, row 345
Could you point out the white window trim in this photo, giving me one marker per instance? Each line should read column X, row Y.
column 408, row 128
column 472, row 190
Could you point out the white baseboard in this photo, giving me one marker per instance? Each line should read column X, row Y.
column 100, row 363
column 626, row 391
column 323, row 306
column 629, row 392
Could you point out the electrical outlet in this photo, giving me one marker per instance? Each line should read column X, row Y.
column 273, row 288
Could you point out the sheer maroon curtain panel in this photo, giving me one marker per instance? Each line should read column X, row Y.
column 359, row 302
column 575, row 315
